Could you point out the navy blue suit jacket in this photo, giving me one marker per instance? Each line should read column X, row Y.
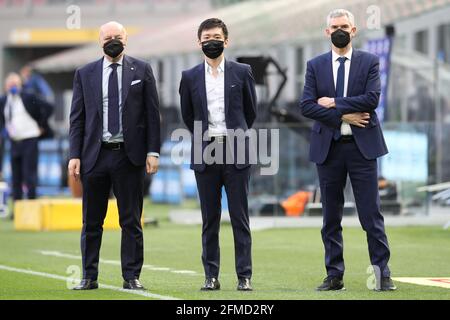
column 362, row 96
column 240, row 102
column 38, row 109
column 140, row 113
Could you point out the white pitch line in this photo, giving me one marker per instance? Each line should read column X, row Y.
column 442, row 282
column 104, row 286
column 115, row 262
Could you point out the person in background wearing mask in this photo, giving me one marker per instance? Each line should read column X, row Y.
column 25, row 118
column 341, row 93
column 219, row 95
column 114, row 137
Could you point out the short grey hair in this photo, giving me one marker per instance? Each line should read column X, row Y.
column 341, row 13
column 13, row 75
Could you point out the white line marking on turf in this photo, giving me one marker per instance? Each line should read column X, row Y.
column 104, row 286
column 441, row 282
column 116, row 262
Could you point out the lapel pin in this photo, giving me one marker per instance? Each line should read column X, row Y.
column 132, row 68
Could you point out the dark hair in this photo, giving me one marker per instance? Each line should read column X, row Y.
column 211, row 24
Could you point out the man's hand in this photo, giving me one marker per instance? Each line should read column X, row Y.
column 74, row 168
column 152, row 164
column 326, row 102
column 359, row 119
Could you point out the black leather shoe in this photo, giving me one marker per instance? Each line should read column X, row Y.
column 86, row 284
column 331, row 284
column 133, row 284
column 211, row 284
column 244, row 284
column 386, row 285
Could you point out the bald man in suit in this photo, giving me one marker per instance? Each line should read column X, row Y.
column 114, row 137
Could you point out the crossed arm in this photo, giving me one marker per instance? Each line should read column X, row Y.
column 359, row 119
column 332, row 111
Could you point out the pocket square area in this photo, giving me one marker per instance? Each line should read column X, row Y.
column 135, row 82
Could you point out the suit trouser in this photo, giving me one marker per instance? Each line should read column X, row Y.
column 24, row 167
column 209, row 184
column 346, row 159
column 113, row 168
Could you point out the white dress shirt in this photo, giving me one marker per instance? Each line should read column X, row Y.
column 215, row 96
column 107, row 136
column 345, row 127
column 21, row 126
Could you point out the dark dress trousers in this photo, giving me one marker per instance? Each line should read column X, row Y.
column 240, row 113
column 335, row 160
column 123, row 169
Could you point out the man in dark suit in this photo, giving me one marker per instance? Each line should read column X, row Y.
column 114, row 136
column 25, row 117
column 218, row 97
column 341, row 93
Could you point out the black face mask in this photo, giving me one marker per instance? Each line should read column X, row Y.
column 212, row 48
column 113, row 48
column 340, row 38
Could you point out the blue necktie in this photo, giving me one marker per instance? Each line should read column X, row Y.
column 113, row 101
column 340, row 89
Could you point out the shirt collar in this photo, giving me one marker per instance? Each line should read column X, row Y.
column 12, row 97
column 220, row 68
column 348, row 55
column 107, row 63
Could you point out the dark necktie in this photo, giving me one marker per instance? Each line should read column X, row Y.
column 113, row 101
column 9, row 107
column 340, row 89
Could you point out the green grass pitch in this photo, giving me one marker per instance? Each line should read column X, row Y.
column 288, row 263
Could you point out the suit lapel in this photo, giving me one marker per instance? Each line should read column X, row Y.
column 329, row 73
column 201, row 89
column 227, row 83
column 128, row 70
column 201, row 86
column 354, row 68
column 97, row 85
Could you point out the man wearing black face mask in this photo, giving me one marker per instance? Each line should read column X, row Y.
column 341, row 93
column 218, row 96
column 114, row 136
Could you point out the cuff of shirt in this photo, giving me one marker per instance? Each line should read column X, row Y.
column 153, row 154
